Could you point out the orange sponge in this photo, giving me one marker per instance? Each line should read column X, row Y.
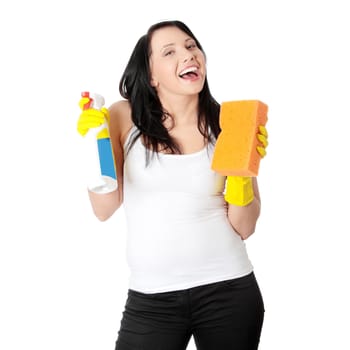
column 235, row 151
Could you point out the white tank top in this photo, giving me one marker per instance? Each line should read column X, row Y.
column 178, row 235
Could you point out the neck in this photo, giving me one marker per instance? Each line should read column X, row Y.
column 183, row 109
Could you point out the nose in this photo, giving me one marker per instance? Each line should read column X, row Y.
column 188, row 56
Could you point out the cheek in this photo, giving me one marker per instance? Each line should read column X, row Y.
column 167, row 69
column 202, row 59
column 164, row 74
column 159, row 69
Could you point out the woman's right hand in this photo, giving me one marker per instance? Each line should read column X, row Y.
column 92, row 118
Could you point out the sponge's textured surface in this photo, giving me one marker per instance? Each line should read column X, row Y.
column 235, row 151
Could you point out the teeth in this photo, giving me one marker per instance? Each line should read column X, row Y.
column 188, row 70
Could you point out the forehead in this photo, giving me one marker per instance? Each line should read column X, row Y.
column 167, row 36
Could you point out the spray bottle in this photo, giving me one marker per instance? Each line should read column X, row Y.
column 102, row 173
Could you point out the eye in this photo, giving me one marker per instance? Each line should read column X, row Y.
column 169, row 52
column 191, row 46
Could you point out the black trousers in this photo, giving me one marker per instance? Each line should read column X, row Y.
column 220, row 316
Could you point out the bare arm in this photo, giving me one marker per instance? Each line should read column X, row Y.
column 243, row 219
column 104, row 205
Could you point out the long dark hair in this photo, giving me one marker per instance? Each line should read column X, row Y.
column 147, row 112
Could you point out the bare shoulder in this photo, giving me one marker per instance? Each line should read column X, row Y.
column 120, row 119
column 121, row 106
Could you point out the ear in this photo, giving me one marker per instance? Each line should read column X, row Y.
column 154, row 82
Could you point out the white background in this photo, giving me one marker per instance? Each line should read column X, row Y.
column 63, row 274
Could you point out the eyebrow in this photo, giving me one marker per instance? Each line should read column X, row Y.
column 167, row 45
column 172, row 44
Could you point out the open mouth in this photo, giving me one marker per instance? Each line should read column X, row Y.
column 188, row 73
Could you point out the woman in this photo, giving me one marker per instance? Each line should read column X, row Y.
column 190, row 272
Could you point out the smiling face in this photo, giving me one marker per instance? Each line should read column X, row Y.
column 177, row 65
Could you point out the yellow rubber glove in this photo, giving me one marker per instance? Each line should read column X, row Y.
column 239, row 189
column 262, row 136
column 98, row 168
column 92, row 118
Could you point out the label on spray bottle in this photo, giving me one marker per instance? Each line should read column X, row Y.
column 104, row 178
